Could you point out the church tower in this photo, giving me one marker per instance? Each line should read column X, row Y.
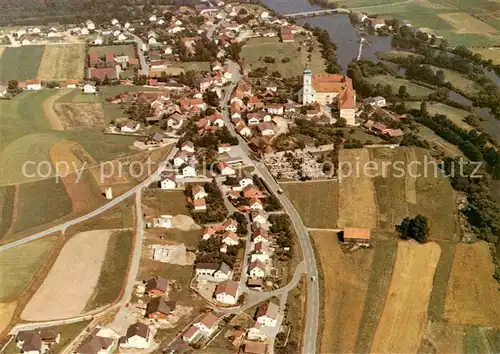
column 307, row 90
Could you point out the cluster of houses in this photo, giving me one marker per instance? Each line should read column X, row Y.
column 109, row 64
column 225, row 231
column 37, row 341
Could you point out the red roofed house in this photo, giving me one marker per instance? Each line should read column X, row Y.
column 133, row 63
column 286, row 35
column 160, row 308
column 102, row 73
column 110, row 59
column 252, row 191
column 33, row 85
column 227, row 292
column 157, row 286
column 360, row 236
column 207, row 323
column 93, row 57
column 329, row 89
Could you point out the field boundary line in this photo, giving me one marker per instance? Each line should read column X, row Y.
column 15, row 203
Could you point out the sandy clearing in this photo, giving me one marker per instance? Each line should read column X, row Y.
column 71, row 280
column 404, row 318
column 472, row 296
column 6, row 311
column 2, row 49
column 184, row 223
column 465, row 23
column 357, row 202
column 48, row 109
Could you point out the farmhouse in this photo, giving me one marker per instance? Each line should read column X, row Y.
column 256, row 333
column 159, row 308
column 330, row 89
column 89, row 88
column 192, row 335
column 267, row 314
column 157, row 286
column 138, row 336
column 198, row 192
column 207, row 324
column 103, row 73
column 227, row 292
column 33, row 85
column 359, row 236
column 96, row 344
column 130, row 127
column 167, row 181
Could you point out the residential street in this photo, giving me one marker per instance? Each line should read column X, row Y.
column 313, row 301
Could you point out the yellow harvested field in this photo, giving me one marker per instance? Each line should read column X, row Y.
column 345, row 282
column 6, row 311
column 357, row 203
column 404, row 318
column 79, row 115
column 465, row 23
column 472, row 296
column 489, row 53
column 71, row 280
column 62, row 62
column 2, row 49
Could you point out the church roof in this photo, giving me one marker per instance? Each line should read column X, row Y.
column 330, row 82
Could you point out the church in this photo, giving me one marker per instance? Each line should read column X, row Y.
column 330, row 89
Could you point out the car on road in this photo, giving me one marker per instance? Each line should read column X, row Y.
column 313, row 278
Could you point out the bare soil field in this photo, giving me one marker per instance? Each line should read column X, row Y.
column 344, row 286
column 465, row 23
column 159, row 201
column 489, row 53
column 50, row 113
column 6, row 312
column 2, row 49
column 472, row 296
column 357, row 203
column 80, row 115
column 316, row 202
column 62, row 62
column 84, row 192
column 404, row 318
column 71, row 280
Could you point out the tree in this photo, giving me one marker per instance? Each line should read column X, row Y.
column 416, row 228
column 211, row 98
column 402, row 93
column 12, row 84
column 423, row 108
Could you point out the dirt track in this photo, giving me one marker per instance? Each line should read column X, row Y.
column 72, row 279
column 48, row 109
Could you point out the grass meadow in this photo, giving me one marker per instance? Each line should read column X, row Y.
column 20, row 63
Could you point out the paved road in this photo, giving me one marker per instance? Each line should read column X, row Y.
column 144, row 65
column 313, row 301
column 117, row 200
column 121, row 320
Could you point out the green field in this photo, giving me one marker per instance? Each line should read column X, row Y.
column 7, row 195
column 456, row 115
column 20, row 264
column 468, row 31
column 20, row 63
column 121, row 49
column 41, row 202
column 440, row 285
column 448, row 148
column 458, row 81
column 27, row 136
column 257, row 48
column 316, row 202
column 395, row 54
column 113, row 270
column 413, row 89
column 196, row 66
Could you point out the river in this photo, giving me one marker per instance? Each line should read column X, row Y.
column 344, row 35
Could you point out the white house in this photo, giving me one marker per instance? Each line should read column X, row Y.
column 222, row 148
column 223, row 273
column 256, row 204
column 275, row 109
column 130, row 127
column 187, row 146
column 229, row 238
column 139, row 336
column 207, row 233
column 98, row 41
column 260, row 217
column 168, row 51
column 207, row 323
column 88, row 88
column 227, row 292
column 168, row 182
column 206, row 269
column 90, row 25
column 225, row 169
column 230, row 225
column 193, row 334
column 84, row 31
column 122, row 37
column 267, row 314
column 33, row 85
column 189, row 171
column 200, row 204
column 266, row 129
column 152, row 18
column 256, row 333
column 199, row 192
column 181, row 158
column 114, row 22
column 260, row 234
column 257, row 269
